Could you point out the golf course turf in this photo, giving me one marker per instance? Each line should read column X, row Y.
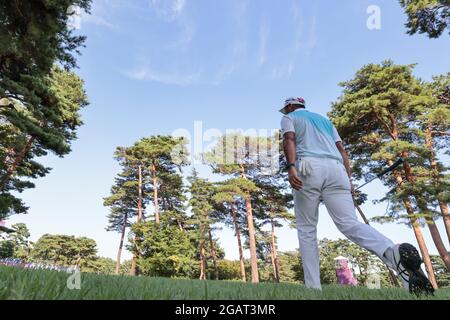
column 44, row 285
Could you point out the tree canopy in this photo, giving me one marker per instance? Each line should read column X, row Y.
column 427, row 16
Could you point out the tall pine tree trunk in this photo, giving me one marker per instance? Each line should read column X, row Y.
column 133, row 269
column 252, row 240
column 446, row 216
column 122, row 237
column 17, row 162
column 238, row 237
column 435, row 234
column 251, row 232
column 180, row 225
column 436, row 180
column 393, row 132
column 155, row 193
column 214, row 255
column 394, row 279
column 275, row 264
column 418, row 234
column 438, row 241
column 202, row 262
column 425, row 254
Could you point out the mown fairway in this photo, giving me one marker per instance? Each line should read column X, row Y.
column 28, row 284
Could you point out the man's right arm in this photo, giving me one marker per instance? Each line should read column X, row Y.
column 291, row 155
column 289, row 146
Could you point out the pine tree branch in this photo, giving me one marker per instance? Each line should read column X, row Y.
column 385, row 125
column 440, row 133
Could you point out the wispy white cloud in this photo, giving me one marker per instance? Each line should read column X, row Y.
column 312, row 38
column 100, row 15
column 304, row 40
column 264, row 30
column 147, row 73
column 224, row 72
column 97, row 20
column 168, row 9
column 185, row 37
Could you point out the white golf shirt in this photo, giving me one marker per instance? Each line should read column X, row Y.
column 316, row 136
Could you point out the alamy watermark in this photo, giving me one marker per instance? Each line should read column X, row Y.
column 74, row 280
column 259, row 147
column 374, row 277
column 374, row 19
column 74, row 20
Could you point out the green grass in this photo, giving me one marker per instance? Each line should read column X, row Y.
column 28, row 284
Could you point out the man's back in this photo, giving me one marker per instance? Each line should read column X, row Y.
column 315, row 135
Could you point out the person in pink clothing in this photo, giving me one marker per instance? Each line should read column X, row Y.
column 344, row 273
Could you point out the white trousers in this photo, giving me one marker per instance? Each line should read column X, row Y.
column 327, row 179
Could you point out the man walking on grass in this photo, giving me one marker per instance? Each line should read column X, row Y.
column 319, row 170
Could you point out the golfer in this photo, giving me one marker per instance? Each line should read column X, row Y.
column 319, row 169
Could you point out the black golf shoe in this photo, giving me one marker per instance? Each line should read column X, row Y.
column 406, row 262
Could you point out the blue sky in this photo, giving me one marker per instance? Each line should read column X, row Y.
column 154, row 66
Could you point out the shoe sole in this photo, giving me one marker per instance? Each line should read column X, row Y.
column 410, row 259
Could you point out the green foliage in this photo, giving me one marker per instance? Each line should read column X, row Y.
column 123, row 201
column 203, row 218
column 31, row 129
column 7, row 248
column 381, row 116
column 427, row 16
column 125, row 267
column 441, row 272
column 16, row 243
column 35, row 34
column 39, row 100
column 161, row 158
column 165, row 250
column 63, row 250
column 290, row 266
column 229, row 270
column 100, row 265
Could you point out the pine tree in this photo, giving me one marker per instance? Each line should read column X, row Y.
column 238, row 156
column 272, row 202
column 65, row 250
column 131, row 161
column 271, row 208
column 158, row 161
column 124, row 203
column 165, row 250
column 227, row 197
column 162, row 157
column 39, row 102
column 435, row 125
column 204, row 218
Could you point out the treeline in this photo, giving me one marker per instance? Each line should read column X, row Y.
column 55, row 250
column 178, row 236
column 81, row 252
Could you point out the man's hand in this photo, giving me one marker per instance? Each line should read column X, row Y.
column 294, row 180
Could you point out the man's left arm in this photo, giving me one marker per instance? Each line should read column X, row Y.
column 344, row 155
